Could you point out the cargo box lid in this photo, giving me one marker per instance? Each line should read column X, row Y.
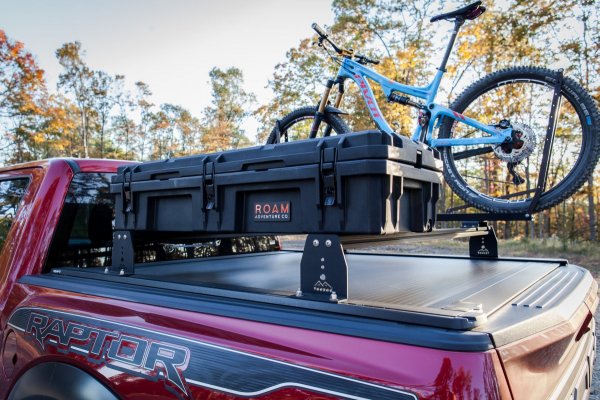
column 348, row 147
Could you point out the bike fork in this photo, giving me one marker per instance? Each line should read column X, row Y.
column 320, row 115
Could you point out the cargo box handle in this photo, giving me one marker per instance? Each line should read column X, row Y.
column 328, row 176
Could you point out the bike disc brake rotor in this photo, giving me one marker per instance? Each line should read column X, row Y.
column 524, row 141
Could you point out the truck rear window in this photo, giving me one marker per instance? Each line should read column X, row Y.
column 11, row 193
column 83, row 236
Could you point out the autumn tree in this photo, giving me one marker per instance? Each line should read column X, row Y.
column 397, row 33
column 102, row 102
column 58, row 133
column 22, row 93
column 583, row 52
column 123, row 125
column 222, row 120
column 162, row 131
column 144, row 106
column 77, row 80
column 189, row 129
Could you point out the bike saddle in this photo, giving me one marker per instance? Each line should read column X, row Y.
column 471, row 11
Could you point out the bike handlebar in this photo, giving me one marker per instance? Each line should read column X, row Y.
column 366, row 60
column 323, row 36
column 319, row 30
column 344, row 52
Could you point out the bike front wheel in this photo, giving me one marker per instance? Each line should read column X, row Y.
column 297, row 124
column 503, row 178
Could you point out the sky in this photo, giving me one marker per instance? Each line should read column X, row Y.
column 171, row 44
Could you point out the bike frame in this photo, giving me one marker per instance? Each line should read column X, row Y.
column 359, row 73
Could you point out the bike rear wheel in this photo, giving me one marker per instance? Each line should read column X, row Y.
column 297, row 124
column 503, row 178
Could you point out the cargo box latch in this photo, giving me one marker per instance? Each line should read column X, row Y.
column 327, row 169
column 209, row 186
column 126, row 195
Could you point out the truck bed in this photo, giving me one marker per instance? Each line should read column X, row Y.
column 501, row 298
column 435, row 285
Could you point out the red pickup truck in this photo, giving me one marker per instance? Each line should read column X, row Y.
column 223, row 319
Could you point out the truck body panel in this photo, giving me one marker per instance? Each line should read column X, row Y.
column 233, row 356
column 426, row 327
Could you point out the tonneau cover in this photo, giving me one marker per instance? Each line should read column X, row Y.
column 451, row 287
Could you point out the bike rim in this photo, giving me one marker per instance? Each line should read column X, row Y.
column 526, row 102
column 299, row 129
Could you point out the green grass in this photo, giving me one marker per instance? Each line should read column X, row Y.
column 552, row 246
column 583, row 253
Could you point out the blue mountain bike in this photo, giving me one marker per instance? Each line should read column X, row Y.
column 534, row 143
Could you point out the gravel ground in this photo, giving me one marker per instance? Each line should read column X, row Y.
column 458, row 247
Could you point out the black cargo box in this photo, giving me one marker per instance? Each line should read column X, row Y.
column 358, row 183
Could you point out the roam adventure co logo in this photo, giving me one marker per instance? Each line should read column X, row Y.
column 272, row 211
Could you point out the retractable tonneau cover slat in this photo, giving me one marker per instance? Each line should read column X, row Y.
column 459, row 287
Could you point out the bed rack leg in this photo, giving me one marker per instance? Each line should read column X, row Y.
column 123, row 256
column 323, row 269
column 485, row 246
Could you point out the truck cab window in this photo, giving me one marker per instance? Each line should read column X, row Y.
column 11, row 193
column 83, row 236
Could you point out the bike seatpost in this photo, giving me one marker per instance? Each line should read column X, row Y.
column 457, row 24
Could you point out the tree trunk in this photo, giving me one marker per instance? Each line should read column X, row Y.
column 442, row 202
column 529, row 225
column 563, row 221
column 102, row 140
column 126, row 139
column 592, row 208
column 572, row 227
column 84, row 133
